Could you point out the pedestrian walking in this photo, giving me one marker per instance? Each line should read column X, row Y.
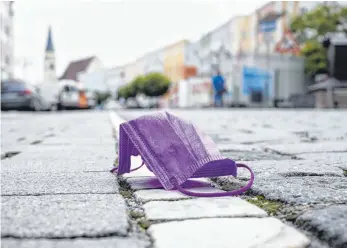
column 218, row 83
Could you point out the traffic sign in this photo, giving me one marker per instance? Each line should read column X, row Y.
column 288, row 44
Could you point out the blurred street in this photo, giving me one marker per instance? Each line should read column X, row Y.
column 56, row 183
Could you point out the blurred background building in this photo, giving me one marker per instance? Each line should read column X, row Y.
column 6, row 32
column 257, row 54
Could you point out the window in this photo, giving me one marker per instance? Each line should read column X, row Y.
column 7, row 60
column 51, row 66
column 303, row 10
column 7, row 30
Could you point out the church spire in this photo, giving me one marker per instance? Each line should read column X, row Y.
column 49, row 46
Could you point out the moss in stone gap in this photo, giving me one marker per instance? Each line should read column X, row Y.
column 345, row 173
column 271, row 207
column 136, row 214
column 143, row 223
column 126, row 193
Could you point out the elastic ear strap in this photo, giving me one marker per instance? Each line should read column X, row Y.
column 115, row 169
column 229, row 193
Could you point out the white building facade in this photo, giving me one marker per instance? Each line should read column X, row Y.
column 103, row 80
column 7, row 40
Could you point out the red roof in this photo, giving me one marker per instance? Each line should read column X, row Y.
column 75, row 67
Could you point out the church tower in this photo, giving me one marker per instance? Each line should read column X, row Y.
column 49, row 63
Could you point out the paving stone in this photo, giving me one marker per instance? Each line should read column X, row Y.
column 329, row 224
column 302, row 190
column 137, row 183
column 328, row 134
column 161, row 194
column 55, row 164
column 114, row 242
column 63, row 216
column 88, row 140
column 227, row 232
column 289, row 168
column 253, row 155
column 263, row 136
column 82, row 153
column 299, row 148
column 13, row 148
column 231, row 147
column 201, row 208
column 338, row 158
column 58, row 183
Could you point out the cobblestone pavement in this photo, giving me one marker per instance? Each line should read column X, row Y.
column 299, row 198
column 55, row 183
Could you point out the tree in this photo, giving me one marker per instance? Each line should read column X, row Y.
column 101, row 97
column 126, row 92
column 139, row 83
column 313, row 27
column 155, row 84
column 152, row 85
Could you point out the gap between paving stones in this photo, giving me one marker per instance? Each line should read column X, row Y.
column 8, row 155
column 138, row 221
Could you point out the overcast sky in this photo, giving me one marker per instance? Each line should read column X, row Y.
column 116, row 31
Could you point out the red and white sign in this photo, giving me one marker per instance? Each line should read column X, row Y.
column 288, row 44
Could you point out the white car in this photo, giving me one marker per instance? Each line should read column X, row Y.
column 73, row 97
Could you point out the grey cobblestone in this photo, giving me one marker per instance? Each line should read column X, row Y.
column 58, row 183
column 330, row 223
column 299, row 158
column 114, row 242
column 63, row 216
column 51, row 162
column 291, row 168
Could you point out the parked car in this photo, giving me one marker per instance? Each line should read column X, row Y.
column 19, row 95
column 73, row 97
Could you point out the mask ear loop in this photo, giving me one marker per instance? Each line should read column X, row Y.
column 220, row 194
column 115, row 169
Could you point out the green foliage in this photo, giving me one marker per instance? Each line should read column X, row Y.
column 315, row 57
column 156, row 84
column 126, row 91
column 153, row 84
column 311, row 27
column 101, row 97
column 138, row 84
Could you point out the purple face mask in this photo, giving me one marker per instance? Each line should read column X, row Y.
column 174, row 150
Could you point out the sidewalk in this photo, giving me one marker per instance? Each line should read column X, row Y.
column 59, row 192
column 298, row 199
column 180, row 221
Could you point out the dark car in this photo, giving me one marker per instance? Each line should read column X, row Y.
column 19, row 95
